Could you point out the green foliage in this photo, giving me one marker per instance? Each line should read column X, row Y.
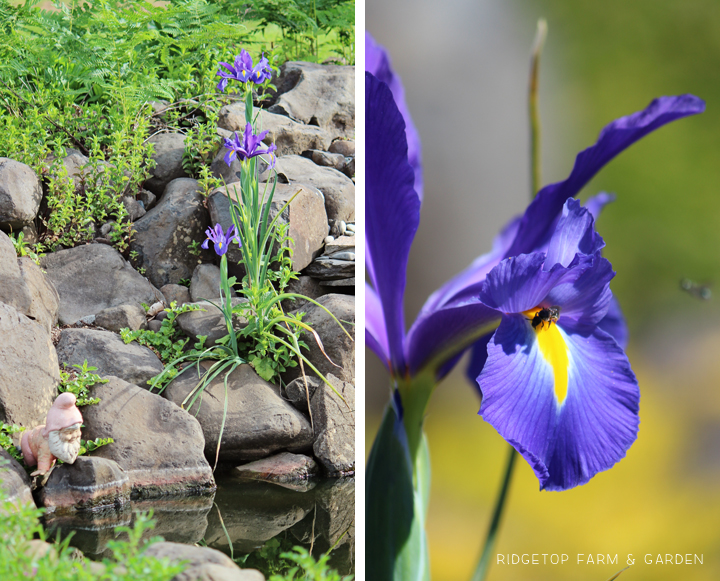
column 19, row 525
column 87, row 446
column 168, row 343
column 22, row 248
column 307, row 568
column 79, row 383
column 6, row 441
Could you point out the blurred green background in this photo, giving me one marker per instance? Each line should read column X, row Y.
column 464, row 65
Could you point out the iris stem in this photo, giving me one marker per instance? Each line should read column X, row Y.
column 484, row 563
column 535, row 159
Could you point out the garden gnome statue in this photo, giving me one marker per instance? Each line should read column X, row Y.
column 58, row 438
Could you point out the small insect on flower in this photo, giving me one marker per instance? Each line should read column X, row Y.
column 547, row 315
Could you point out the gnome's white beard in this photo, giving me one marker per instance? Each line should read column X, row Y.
column 65, row 444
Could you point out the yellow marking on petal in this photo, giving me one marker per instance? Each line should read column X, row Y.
column 219, row 245
column 554, row 350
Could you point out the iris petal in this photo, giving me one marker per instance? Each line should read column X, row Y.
column 375, row 331
column 377, row 62
column 613, row 139
column 569, row 441
column 392, row 209
column 573, row 234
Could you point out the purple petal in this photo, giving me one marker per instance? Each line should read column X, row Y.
column 222, row 85
column 438, row 337
column 467, row 285
column 520, row 283
column 205, row 244
column 377, row 62
column 613, row 139
column 478, row 357
column 392, row 209
column 614, row 323
column 229, row 156
column 595, row 204
column 375, row 331
column 574, row 234
column 566, row 441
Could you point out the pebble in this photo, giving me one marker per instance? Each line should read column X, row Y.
column 351, row 228
column 344, row 255
column 342, row 227
column 105, row 228
column 329, row 239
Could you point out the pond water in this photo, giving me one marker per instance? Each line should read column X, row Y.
column 252, row 522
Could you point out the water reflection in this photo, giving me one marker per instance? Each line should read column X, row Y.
column 244, row 519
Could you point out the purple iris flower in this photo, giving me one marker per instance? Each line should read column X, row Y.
column 221, row 241
column 554, row 248
column 249, row 146
column 244, row 71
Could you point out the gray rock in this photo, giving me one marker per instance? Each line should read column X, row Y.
column 340, row 244
column 202, row 563
column 134, row 208
column 208, row 322
column 29, row 372
column 155, row 325
column 20, row 194
column 168, row 155
column 342, row 284
column 45, row 301
column 259, row 421
column 157, row 444
column 326, row 159
column 30, row 234
column 282, row 468
column 13, row 290
column 176, row 293
column 148, row 199
column 336, row 515
column 297, row 394
column 133, row 362
column 289, row 136
column 91, row 483
column 163, row 235
column 92, row 278
column 338, row 346
column 344, row 147
column 334, row 424
column 339, row 191
column 349, row 169
column 305, row 216
column 14, row 481
column 122, row 317
column 317, row 95
column 303, row 285
column 205, row 283
column 325, row 268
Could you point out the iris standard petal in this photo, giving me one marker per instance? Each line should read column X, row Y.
column 377, row 62
column 392, row 209
column 595, row 204
column 613, row 139
column 375, row 331
column 568, row 403
column 574, row 234
column 439, row 337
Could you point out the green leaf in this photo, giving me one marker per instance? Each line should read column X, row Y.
column 395, row 537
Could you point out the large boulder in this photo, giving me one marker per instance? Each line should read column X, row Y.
column 13, row 289
column 338, row 189
column 105, row 350
column 205, row 283
column 163, row 235
column 90, row 483
column 20, row 194
column 157, row 444
column 92, row 278
column 322, row 95
column 202, row 563
column 209, row 321
column 169, row 149
column 14, row 481
column 29, row 372
column 305, row 215
column 289, row 136
column 338, row 346
column 45, row 301
column 334, row 423
column 259, row 421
